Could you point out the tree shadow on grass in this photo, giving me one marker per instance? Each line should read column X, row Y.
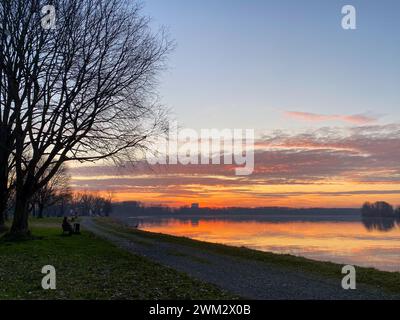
column 13, row 238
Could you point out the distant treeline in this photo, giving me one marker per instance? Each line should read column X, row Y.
column 78, row 204
column 136, row 208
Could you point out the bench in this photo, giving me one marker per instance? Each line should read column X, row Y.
column 67, row 229
column 77, row 228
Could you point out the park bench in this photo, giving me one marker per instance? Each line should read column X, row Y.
column 77, row 228
column 68, row 229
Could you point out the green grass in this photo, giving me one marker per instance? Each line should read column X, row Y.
column 388, row 281
column 89, row 268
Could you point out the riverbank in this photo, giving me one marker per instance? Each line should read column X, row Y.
column 250, row 273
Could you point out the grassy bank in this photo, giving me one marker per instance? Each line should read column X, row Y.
column 89, row 268
column 388, row 281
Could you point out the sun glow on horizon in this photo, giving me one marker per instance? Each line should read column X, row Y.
column 333, row 194
column 328, row 167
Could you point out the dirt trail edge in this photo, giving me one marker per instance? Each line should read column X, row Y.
column 244, row 277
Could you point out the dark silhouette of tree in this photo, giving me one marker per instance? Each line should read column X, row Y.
column 377, row 209
column 54, row 192
column 378, row 216
column 397, row 215
column 107, row 204
column 7, row 122
column 80, row 92
column 86, row 203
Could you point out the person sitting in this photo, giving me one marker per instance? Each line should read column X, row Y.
column 66, row 226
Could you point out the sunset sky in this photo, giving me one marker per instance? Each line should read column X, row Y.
column 325, row 104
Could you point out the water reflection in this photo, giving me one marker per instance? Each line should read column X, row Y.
column 379, row 223
column 346, row 242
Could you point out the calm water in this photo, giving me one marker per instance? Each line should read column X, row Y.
column 370, row 244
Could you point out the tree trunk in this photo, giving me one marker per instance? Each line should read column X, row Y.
column 32, row 209
column 3, row 196
column 3, row 211
column 20, row 223
column 2, row 216
column 62, row 209
column 40, row 214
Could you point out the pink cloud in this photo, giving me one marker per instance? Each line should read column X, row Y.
column 314, row 117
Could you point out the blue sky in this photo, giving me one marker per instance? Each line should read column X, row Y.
column 243, row 64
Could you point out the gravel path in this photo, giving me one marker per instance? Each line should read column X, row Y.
column 245, row 277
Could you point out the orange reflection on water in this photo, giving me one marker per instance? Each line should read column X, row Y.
column 341, row 242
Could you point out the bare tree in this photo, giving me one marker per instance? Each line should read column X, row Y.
column 92, row 204
column 85, row 202
column 107, row 206
column 54, row 192
column 7, row 118
column 83, row 91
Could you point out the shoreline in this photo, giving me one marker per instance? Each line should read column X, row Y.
column 356, row 234
column 386, row 280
